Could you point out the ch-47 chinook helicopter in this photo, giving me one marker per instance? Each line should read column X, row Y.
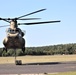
column 14, row 38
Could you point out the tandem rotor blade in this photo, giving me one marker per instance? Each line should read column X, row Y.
column 38, row 22
column 31, row 13
column 29, row 19
column 4, row 20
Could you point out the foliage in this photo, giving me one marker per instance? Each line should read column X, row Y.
column 63, row 73
column 45, row 50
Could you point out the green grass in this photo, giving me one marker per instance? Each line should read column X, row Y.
column 63, row 73
column 31, row 59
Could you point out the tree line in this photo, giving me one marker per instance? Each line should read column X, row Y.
column 44, row 50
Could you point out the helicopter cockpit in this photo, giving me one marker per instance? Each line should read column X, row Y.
column 14, row 31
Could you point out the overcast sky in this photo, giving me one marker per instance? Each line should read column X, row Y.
column 42, row 34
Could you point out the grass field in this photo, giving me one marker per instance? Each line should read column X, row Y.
column 31, row 59
column 64, row 73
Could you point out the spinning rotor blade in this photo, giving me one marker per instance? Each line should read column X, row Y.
column 31, row 13
column 33, row 23
column 5, row 20
column 38, row 23
column 29, row 18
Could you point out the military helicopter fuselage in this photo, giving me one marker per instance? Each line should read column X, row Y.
column 14, row 38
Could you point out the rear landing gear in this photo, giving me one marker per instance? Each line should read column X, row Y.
column 5, row 49
column 23, row 49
